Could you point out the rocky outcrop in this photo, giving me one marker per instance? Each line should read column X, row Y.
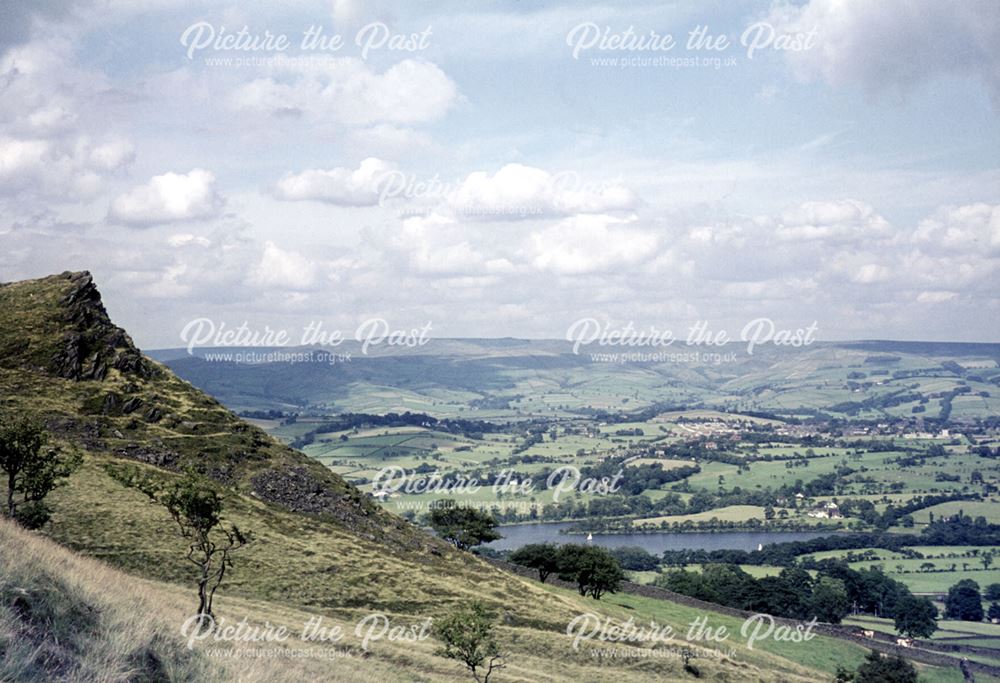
column 62, row 330
column 161, row 457
column 93, row 344
column 299, row 490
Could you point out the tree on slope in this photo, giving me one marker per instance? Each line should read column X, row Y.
column 32, row 471
column 196, row 506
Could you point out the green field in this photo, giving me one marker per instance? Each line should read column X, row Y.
column 988, row 509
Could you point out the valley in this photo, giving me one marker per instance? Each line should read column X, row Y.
column 865, row 441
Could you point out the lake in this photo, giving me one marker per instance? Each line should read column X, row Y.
column 517, row 535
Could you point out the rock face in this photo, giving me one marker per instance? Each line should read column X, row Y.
column 160, row 457
column 93, row 343
column 298, row 490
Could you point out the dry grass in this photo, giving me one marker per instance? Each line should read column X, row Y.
column 69, row 618
column 66, row 618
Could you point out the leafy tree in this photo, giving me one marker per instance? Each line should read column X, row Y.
column 463, row 527
column 541, row 556
column 916, row 617
column 793, row 593
column 788, row 594
column 469, row 638
column 830, row 602
column 196, row 507
column 594, row 570
column 32, row 470
column 879, row 669
column 994, row 611
column 964, row 601
column 877, row 593
column 687, row 583
column 728, row 583
column 992, row 592
column 635, row 558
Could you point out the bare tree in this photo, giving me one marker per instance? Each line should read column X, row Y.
column 196, row 507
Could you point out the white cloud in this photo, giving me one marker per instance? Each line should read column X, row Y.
column 935, row 297
column 519, row 191
column 185, row 239
column 972, row 227
column 169, row 198
column 896, row 43
column 343, row 186
column 41, row 89
column 587, row 244
column 347, row 90
column 784, row 288
column 55, row 169
column 45, row 103
column 347, row 12
column 870, row 273
column 18, row 157
column 933, row 268
column 437, row 245
column 709, row 238
column 733, row 235
column 111, row 156
column 846, row 219
column 283, row 269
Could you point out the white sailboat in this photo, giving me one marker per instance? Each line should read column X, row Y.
column 590, row 537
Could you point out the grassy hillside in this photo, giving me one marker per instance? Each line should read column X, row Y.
column 69, row 618
column 321, row 548
column 63, row 360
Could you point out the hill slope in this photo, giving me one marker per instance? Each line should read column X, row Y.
column 59, row 348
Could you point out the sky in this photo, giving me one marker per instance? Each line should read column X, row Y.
column 509, row 168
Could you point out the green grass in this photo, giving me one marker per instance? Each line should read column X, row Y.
column 988, row 509
column 940, row 582
column 913, row 574
column 821, row 653
column 730, row 513
column 880, row 553
column 949, row 630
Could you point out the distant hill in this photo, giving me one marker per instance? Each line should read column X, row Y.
column 857, row 379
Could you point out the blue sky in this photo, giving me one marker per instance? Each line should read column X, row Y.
column 854, row 183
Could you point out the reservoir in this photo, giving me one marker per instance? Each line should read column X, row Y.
column 517, row 535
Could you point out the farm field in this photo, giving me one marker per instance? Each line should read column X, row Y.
column 879, row 470
column 732, row 513
column 988, row 509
